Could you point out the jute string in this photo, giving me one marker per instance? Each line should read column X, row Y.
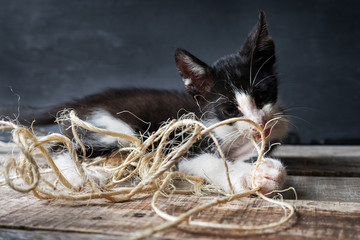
column 147, row 165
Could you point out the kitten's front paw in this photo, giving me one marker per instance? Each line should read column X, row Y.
column 240, row 182
column 270, row 175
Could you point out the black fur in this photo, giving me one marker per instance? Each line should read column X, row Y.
column 250, row 70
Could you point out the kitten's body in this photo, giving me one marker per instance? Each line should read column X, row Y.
column 130, row 111
column 243, row 84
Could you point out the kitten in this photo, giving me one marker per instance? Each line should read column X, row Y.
column 243, row 84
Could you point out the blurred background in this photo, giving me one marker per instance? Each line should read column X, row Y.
column 54, row 51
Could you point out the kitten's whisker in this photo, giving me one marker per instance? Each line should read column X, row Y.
column 251, row 63
column 230, row 146
column 292, row 124
column 261, row 68
column 257, row 84
column 284, row 118
column 299, row 108
column 296, row 117
column 230, row 137
column 278, row 114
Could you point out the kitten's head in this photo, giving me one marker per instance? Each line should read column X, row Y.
column 243, row 84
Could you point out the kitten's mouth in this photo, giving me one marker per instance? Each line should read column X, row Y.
column 267, row 131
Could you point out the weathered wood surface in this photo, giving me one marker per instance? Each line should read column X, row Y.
column 318, row 151
column 316, row 219
column 328, row 207
column 324, row 188
column 338, row 161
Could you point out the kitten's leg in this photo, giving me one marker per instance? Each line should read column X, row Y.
column 270, row 175
column 103, row 119
column 97, row 145
column 212, row 168
column 68, row 169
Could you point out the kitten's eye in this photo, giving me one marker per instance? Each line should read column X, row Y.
column 230, row 112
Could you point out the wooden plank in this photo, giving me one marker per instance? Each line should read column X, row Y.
column 15, row 234
column 324, row 188
column 337, row 161
column 317, row 151
column 316, row 166
column 56, row 219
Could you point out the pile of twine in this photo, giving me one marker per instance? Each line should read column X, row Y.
column 147, row 164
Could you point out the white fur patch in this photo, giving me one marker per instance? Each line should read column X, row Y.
column 235, row 138
column 270, row 175
column 187, row 81
column 212, row 169
column 263, row 116
column 247, row 106
column 68, row 169
column 103, row 119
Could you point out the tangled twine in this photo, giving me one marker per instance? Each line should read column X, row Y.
column 148, row 165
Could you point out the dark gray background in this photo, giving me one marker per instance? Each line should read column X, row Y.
column 54, row 51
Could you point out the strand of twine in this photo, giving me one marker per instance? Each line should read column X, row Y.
column 153, row 167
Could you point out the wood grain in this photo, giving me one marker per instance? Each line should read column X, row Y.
column 317, row 151
column 324, row 188
column 27, row 216
column 327, row 180
column 322, row 166
column 335, row 161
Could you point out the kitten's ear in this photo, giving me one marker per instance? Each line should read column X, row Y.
column 195, row 73
column 259, row 46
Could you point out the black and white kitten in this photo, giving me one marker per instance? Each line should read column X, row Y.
column 243, row 84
